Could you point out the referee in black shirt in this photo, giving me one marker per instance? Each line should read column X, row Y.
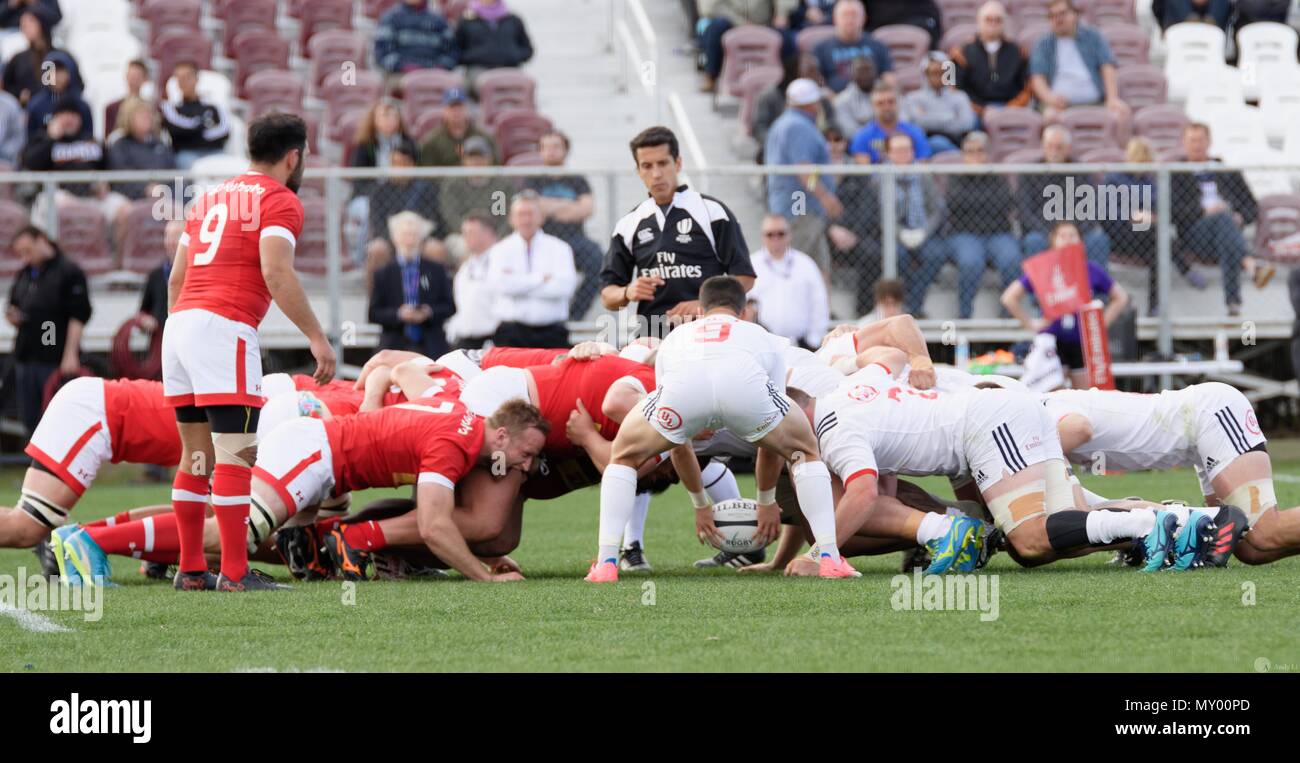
column 664, row 249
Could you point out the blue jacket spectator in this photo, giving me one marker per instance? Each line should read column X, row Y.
column 1073, row 66
column 835, row 56
column 67, row 85
column 410, row 36
column 869, row 144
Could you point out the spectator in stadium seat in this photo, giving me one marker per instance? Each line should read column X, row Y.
column 197, row 128
column 489, row 36
column 412, row 36
column 717, row 17
column 1035, row 190
column 66, row 145
column 1073, row 66
column 474, row 323
column 855, row 236
column 533, row 275
column 771, row 102
column 868, row 144
column 459, row 196
column 991, row 69
column 851, row 42
column 444, row 145
column 394, row 195
column 1209, row 210
column 139, row 146
column 1136, row 235
column 1170, row 12
column 853, row 105
column 921, row 212
column 66, row 84
column 808, row 202
column 938, row 107
column 925, row 14
column 137, row 75
column 379, row 133
column 13, row 128
column 980, row 208
column 50, row 290
column 411, row 296
column 567, row 203
column 811, row 13
column 789, row 288
column 22, row 73
column 12, row 10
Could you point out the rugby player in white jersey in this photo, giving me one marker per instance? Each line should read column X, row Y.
column 719, row 371
column 1210, row 427
column 875, row 425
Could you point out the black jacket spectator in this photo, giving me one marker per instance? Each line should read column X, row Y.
column 22, row 73
column 65, row 146
column 195, row 126
column 11, row 12
column 1004, row 81
column 389, row 295
column 153, row 299
column 131, row 153
column 1031, row 197
column 53, row 293
column 1185, row 197
column 980, row 204
column 922, row 13
column 490, row 42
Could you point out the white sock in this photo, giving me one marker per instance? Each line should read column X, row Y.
column 812, row 484
column 1108, row 526
column 1092, row 498
column 617, row 496
column 635, row 530
column 933, row 526
column 719, row 482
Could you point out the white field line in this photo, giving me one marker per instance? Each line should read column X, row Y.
column 32, row 621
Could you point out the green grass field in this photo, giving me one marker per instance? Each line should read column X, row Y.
column 1080, row 615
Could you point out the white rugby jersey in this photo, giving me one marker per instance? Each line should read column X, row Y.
column 1135, row 432
column 722, row 342
column 876, row 424
column 809, row 374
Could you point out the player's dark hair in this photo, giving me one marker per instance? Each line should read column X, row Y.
column 656, row 136
column 722, row 291
column 890, row 289
column 516, row 416
column 273, row 135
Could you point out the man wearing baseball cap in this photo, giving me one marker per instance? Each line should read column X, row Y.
column 445, row 145
column 808, row 202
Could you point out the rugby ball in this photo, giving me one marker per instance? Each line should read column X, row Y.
column 737, row 522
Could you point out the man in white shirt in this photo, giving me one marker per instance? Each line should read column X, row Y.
column 475, row 321
column 790, row 289
column 534, row 278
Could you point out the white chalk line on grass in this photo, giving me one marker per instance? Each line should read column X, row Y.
column 32, row 621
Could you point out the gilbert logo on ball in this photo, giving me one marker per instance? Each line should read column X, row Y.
column 737, row 522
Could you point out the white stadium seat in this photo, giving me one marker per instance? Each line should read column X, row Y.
column 1234, row 133
column 1217, row 92
column 1193, row 51
column 1279, row 102
column 1266, row 51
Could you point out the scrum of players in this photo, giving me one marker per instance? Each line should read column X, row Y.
column 834, row 435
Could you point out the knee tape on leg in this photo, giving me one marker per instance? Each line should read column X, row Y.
column 1060, row 487
column 229, row 445
column 1253, row 497
column 1015, row 507
column 42, row 509
column 261, row 523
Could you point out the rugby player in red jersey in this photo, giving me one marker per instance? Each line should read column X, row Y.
column 235, row 258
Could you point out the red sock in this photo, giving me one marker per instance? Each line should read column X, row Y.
column 189, row 501
column 231, row 485
column 154, row 538
column 116, row 519
column 326, row 526
column 364, row 536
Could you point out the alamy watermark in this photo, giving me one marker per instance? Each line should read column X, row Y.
column 36, row 593
column 1111, row 202
column 946, row 593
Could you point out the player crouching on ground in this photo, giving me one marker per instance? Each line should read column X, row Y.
column 718, row 371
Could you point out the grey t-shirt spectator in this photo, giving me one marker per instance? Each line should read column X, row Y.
column 835, row 58
column 566, row 187
column 794, row 139
column 1092, row 49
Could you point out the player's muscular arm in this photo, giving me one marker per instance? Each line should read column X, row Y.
column 434, row 507
column 1118, row 301
column 377, row 385
column 1075, row 430
column 286, row 290
column 902, row 332
column 390, row 358
column 177, row 277
column 412, row 377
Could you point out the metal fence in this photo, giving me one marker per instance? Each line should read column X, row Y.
column 955, row 234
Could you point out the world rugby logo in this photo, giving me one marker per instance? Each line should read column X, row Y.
column 1252, row 423
column 863, row 394
column 668, row 418
column 684, row 231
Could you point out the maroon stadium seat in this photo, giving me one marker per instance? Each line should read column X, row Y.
column 331, row 50
column 83, row 234
column 1129, row 44
column 957, row 36
column 1030, row 33
column 1279, row 218
column 1141, row 85
column 142, row 246
column 363, row 88
column 423, row 90
column 907, row 46
column 246, row 15
column 273, row 89
column 500, row 89
column 519, row 131
column 176, row 46
column 810, row 37
column 745, row 47
column 13, row 216
column 753, row 84
column 1028, row 11
column 167, row 15
column 255, row 50
column 1023, row 156
column 343, row 129
column 1092, row 127
column 1113, row 12
column 526, row 159
column 376, row 8
column 959, row 11
column 310, row 255
column 323, row 15
column 1102, row 154
column 1012, row 128
column 424, row 123
column 1161, row 124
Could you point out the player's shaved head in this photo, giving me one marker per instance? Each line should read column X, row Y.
column 722, row 292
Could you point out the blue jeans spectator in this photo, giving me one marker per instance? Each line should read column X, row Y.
column 940, row 144
column 1095, row 242
column 973, row 252
column 918, row 268
column 1218, row 237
